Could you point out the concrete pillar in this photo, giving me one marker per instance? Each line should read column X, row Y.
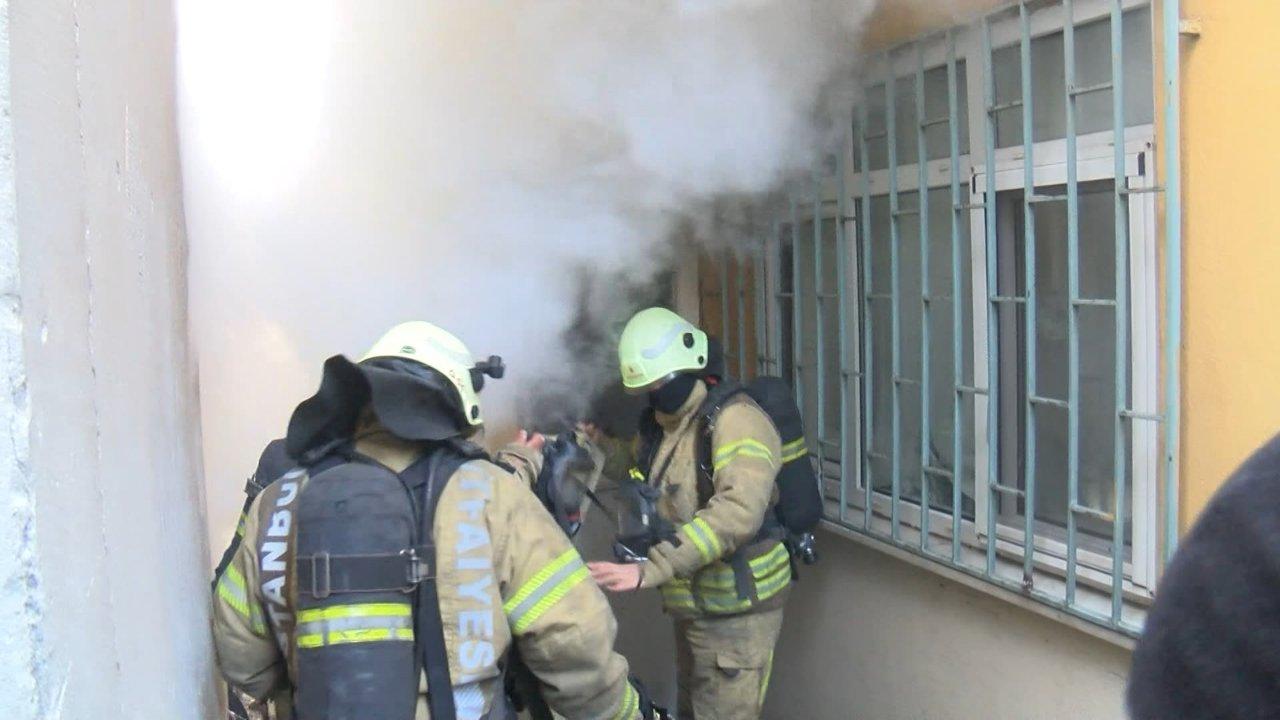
column 103, row 587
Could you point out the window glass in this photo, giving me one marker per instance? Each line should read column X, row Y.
column 906, row 124
column 1096, row 326
column 907, row 121
column 911, row 326
column 877, row 143
column 942, row 353
column 937, row 105
column 1093, row 67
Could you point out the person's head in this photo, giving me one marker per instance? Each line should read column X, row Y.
column 420, row 382
column 662, row 354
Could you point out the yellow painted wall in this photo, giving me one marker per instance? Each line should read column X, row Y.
column 1231, row 166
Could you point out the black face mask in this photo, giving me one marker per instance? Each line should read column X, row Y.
column 671, row 397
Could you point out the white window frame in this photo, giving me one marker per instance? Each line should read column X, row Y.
column 1095, row 161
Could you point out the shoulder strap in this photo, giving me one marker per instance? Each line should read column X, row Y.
column 717, row 397
column 435, row 470
column 650, row 437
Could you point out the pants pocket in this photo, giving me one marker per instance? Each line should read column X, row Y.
column 734, row 663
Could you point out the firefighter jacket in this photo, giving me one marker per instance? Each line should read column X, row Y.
column 695, row 570
column 506, row 573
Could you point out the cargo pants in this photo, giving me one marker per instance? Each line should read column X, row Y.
column 724, row 663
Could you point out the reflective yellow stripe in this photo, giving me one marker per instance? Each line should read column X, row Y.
column 714, row 539
column 237, row 602
column 769, row 587
column 630, row 704
column 545, row 589
column 704, row 538
column 717, row 591
column 240, row 525
column 358, row 610
column 258, row 623
column 794, row 450
column 362, row 635
column 636, row 474
column 769, row 561
column 733, row 447
column 233, row 575
column 763, row 568
column 677, row 597
column 748, row 447
column 231, row 590
column 357, row 622
column 764, row 681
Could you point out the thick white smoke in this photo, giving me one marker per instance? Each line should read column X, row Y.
column 352, row 164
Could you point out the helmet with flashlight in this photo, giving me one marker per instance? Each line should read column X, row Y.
column 419, row 380
column 656, row 345
column 427, row 344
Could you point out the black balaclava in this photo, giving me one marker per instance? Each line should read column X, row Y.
column 669, row 398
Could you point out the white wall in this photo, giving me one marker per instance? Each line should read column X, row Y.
column 103, row 587
column 871, row 637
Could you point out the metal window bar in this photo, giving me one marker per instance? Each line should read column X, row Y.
column 1030, row 314
column 995, row 303
column 740, row 292
column 1073, row 293
column 895, row 331
column 775, row 275
column 1122, row 312
column 724, row 303
column 819, row 313
column 922, row 163
column 757, row 295
column 797, row 318
column 842, row 216
column 993, row 306
column 867, row 364
column 957, row 305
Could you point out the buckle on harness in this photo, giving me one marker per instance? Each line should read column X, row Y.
column 417, row 568
column 318, row 589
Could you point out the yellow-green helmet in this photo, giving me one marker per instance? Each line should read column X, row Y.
column 439, row 350
column 657, row 344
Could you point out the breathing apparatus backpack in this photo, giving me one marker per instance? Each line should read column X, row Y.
column 799, row 507
column 367, row 609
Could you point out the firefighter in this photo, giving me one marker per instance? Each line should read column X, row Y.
column 334, row 599
column 723, row 572
column 272, row 463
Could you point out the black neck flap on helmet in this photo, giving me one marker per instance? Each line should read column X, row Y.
column 411, row 400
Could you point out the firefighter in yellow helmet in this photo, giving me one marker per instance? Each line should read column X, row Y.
column 723, row 571
column 388, row 575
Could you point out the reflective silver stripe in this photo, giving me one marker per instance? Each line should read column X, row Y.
column 353, row 623
column 469, row 701
column 531, row 606
column 655, row 350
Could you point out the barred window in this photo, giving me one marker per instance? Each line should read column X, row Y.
column 968, row 306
